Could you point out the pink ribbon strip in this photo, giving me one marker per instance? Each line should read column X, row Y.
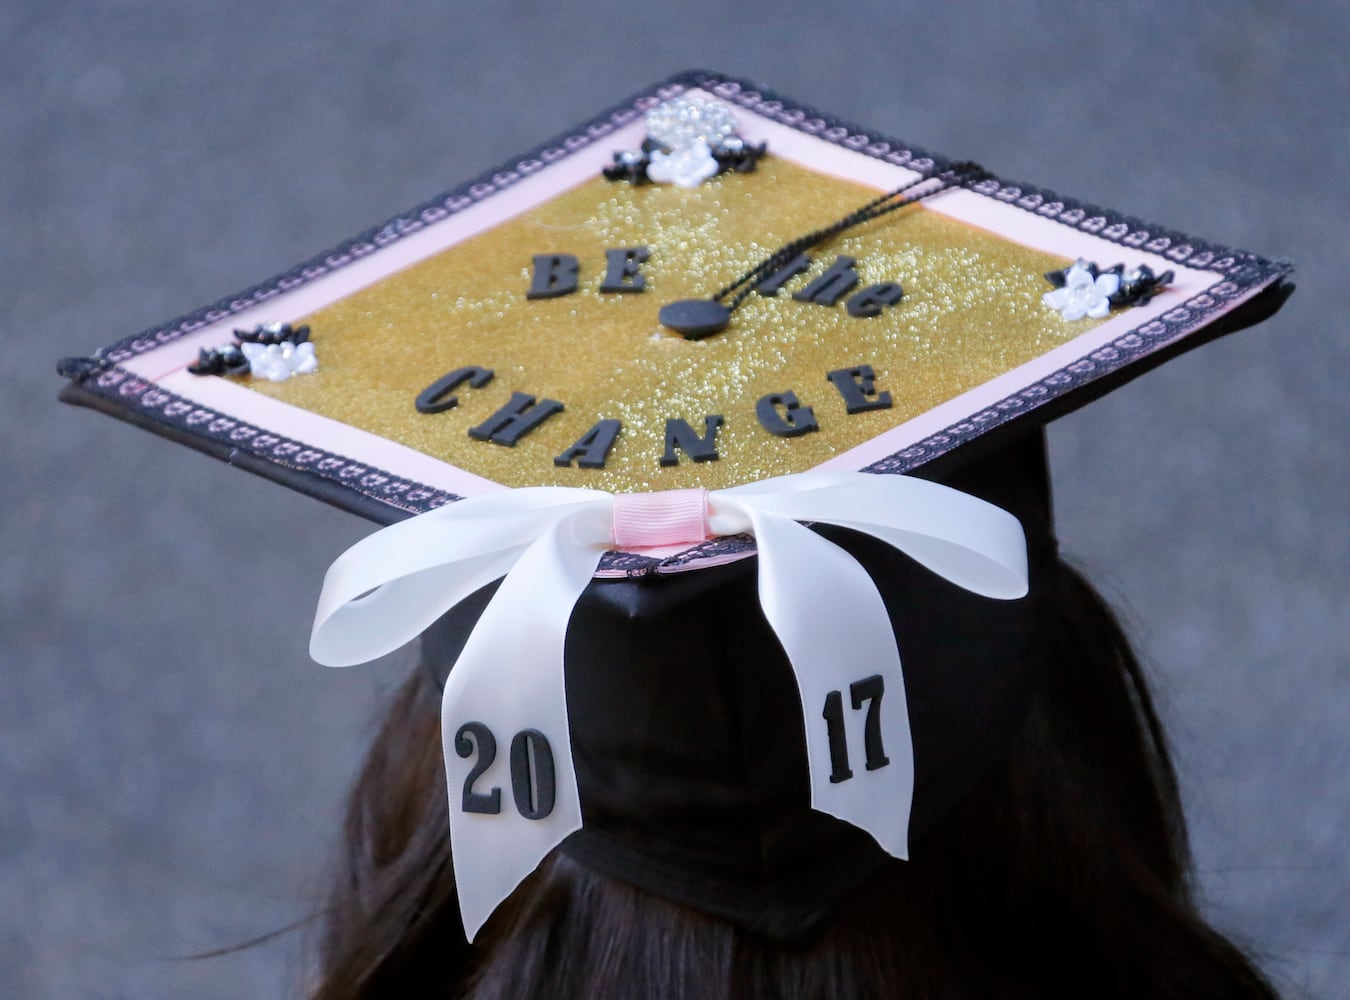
column 671, row 517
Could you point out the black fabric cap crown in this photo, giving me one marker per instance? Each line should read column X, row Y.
column 687, row 725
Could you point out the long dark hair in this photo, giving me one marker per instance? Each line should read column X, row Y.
column 1064, row 874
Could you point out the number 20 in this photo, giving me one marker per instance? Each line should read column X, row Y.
column 533, row 783
column 870, row 690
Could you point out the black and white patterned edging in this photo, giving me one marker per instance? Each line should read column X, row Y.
column 132, row 391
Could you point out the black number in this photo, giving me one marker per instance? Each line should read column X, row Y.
column 870, row 690
column 534, row 785
column 532, row 780
column 486, row 745
column 834, row 727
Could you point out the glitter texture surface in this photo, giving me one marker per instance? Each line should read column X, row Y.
column 972, row 310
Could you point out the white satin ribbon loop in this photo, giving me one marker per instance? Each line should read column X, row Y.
column 388, row 588
column 962, row 538
column 547, row 542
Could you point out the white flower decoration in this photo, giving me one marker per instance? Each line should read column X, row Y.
column 688, row 167
column 1083, row 295
column 278, row 362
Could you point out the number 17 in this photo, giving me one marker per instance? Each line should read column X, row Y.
column 870, row 690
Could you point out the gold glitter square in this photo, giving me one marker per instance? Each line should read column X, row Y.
column 971, row 311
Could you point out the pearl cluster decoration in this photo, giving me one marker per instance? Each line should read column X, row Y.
column 278, row 362
column 683, row 121
column 688, row 167
column 274, row 351
column 689, row 139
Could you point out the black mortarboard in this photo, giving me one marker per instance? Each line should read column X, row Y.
column 705, row 288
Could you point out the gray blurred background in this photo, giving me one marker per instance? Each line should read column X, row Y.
column 171, row 763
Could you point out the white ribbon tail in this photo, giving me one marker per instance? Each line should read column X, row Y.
column 833, row 625
column 510, row 676
column 390, row 587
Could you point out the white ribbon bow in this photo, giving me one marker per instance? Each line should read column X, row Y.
column 508, row 682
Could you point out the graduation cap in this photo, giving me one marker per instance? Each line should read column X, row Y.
column 649, row 390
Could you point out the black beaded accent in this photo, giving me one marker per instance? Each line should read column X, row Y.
column 227, row 360
column 1139, row 285
column 627, row 166
column 738, row 155
column 273, row 333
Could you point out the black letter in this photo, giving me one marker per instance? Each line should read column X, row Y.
column 775, row 281
column 869, row 301
column 855, row 385
column 554, row 274
column 437, row 396
column 680, row 435
column 513, row 421
column 793, row 421
column 830, row 286
column 592, row 448
column 621, row 270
